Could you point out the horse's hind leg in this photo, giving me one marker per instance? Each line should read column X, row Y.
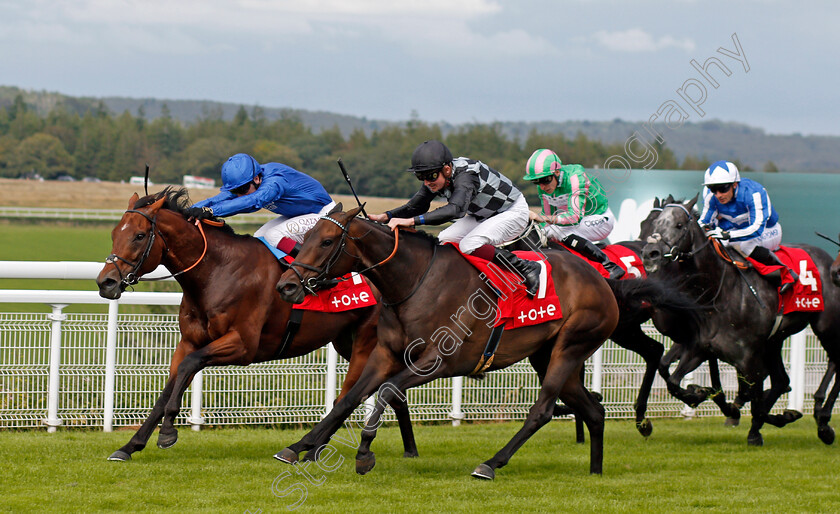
column 822, row 410
column 779, row 384
column 592, row 412
column 689, row 361
column 141, row 437
column 561, row 368
column 731, row 410
column 634, row 339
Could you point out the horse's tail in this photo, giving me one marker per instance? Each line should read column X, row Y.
column 637, row 298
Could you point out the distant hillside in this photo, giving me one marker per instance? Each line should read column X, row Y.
column 711, row 139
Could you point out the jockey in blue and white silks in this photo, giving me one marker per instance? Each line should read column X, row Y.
column 739, row 213
column 247, row 186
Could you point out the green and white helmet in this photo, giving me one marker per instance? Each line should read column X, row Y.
column 542, row 163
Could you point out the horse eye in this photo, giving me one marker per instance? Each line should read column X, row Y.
column 679, row 225
column 326, row 243
column 140, row 236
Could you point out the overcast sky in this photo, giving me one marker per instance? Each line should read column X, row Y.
column 447, row 60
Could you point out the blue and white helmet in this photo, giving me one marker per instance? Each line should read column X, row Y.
column 238, row 171
column 722, row 172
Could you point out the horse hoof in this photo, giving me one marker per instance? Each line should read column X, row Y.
column 484, row 472
column 755, row 440
column 826, row 434
column 365, row 463
column 286, row 455
column 411, row 454
column 645, row 427
column 732, row 422
column 167, row 440
column 791, row 415
column 122, row 456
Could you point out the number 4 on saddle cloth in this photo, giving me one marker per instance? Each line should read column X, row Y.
column 806, row 293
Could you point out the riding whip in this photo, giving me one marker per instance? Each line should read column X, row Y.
column 347, row 178
column 827, row 238
column 146, row 181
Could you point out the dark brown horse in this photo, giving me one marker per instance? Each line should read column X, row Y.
column 742, row 329
column 230, row 313
column 431, row 328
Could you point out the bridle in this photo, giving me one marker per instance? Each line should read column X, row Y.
column 131, row 278
column 312, row 284
column 674, row 253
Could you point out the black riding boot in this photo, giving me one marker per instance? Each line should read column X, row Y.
column 529, row 270
column 589, row 250
column 765, row 256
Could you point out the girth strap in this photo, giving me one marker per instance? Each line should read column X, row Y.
column 489, row 350
column 292, row 327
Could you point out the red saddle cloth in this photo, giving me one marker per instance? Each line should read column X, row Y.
column 806, row 293
column 514, row 307
column 621, row 255
column 349, row 294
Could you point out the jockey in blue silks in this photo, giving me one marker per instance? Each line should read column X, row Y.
column 739, row 213
column 247, row 186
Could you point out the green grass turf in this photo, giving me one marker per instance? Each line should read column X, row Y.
column 696, row 465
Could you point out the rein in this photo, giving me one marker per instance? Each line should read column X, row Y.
column 313, row 283
column 131, row 278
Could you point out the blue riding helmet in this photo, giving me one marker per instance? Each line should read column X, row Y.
column 238, row 171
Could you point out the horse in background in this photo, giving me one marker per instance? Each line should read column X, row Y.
column 742, row 328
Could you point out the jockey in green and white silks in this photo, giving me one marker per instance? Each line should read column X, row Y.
column 575, row 210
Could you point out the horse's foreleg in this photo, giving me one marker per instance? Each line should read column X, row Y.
column 393, row 390
column 141, row 437
column 634, row 339
column 759, row 413
column 730, row 410
column 689, row 361
column 379, row 367
column 226, row 350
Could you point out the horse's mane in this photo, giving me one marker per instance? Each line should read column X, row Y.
column 411, row 233
column 176, row 199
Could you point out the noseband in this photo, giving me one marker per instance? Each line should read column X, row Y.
column 312, row 284
column 674, row 252
column 131, row 278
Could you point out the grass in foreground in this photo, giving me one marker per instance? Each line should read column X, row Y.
column 684, row 466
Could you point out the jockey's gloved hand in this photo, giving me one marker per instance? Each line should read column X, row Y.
column 705, row 227
column 719, row 234
column 199, row 213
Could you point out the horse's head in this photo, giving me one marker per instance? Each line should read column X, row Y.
column 672, row 233
column 835, row 269
column 135, row 249
column 323, row 256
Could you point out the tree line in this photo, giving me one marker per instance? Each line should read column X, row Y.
column 101, row 145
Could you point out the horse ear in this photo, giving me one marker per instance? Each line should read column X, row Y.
column 132, row 201
column 156, row 206
column 338, row 208
column 352, row 213
column 693, row 201
column 656, row 204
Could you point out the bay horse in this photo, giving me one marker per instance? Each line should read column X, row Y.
column 427, row 291
column 230, row 313
column 740, row 328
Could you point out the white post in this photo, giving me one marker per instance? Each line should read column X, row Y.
column 597, row 370
column 195, row 418
column 457, row 397
column 56, row 317
column 796, row 398
column 332, row 372
column 110, row 364
column 688, row 412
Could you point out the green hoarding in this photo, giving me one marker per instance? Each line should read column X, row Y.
column 806, row 202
